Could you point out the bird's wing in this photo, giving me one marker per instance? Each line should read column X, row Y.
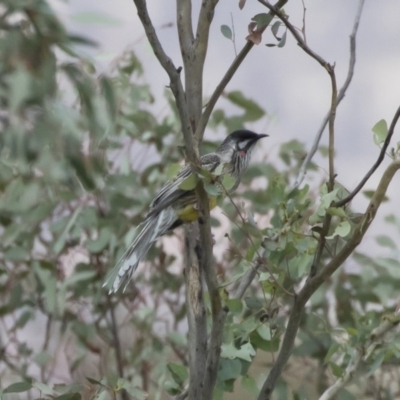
column 171, row 192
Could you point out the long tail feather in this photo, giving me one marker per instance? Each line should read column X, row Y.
column 152, row 229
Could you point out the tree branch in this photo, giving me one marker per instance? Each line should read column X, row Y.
column 375, row 340
column 189, row 108
column 246, row 280
column 303, row 169
column 378, row 162
column 218, row 314
column 196, row 316
column 225, row 80
column 315, row 282
column 175, row 80
column 184, row 24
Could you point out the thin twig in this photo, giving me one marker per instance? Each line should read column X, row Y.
column 350, row 72
column 375, row 340
column 117, row 345
column 303, row 28
column 225, row 80
column 378, row 162
column 321, row 245
column 246, row 280
column 300, row 41
column 332, row 116
column 233, row 35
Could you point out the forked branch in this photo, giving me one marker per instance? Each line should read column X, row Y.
column 376, row 164
column 315, row 282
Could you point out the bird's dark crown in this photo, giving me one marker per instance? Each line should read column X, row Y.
column 243, row 134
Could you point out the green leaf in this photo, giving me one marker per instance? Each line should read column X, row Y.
column 219, row 169
column 134, row 391
column 343, row 229
column 253, row 303
column 229, row 369
column 265, row 332
column 94, row 381
column 380, row 131
column 226, row 31
column 211, row 189
column 59, row 244
column 97, row 245
column 18, row 387
column 179, row 373
column 336, row 369
column 189, row 183
column 172, row 170
column 228, row 182
column 370, row 193
column 69, row 396
column 376, row 364
column 95, row 18
column 171, row 387
column 332, row 351
column 326, row 199
column 253, row 111
column 177, row 338
column 269, row 346
column 338, row 211
column 109, row 95
column 386, row 241
column 246, row 351
column 20, row 83
column 275, row 28
column 282, row 40
column 79, row 277
column 45, row 389
column 42, row 358
column 262, row 19
column 235, row 305
column 250, row 384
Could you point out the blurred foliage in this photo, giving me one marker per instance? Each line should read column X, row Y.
column 81, row 158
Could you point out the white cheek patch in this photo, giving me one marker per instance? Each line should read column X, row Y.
column 242, row 145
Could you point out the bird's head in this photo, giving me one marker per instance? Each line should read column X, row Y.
column 240, row 143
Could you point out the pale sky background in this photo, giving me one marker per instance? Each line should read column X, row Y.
column 293, row 88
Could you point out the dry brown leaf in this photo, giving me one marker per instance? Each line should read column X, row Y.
column 255, row 35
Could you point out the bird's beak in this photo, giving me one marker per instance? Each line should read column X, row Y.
column 256, row 139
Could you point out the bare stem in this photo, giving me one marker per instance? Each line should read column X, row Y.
column 350, row 72
column 332, row 116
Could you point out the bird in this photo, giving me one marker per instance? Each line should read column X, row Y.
column 174, row 206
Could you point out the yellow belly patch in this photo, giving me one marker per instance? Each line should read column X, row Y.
column 190, row 212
